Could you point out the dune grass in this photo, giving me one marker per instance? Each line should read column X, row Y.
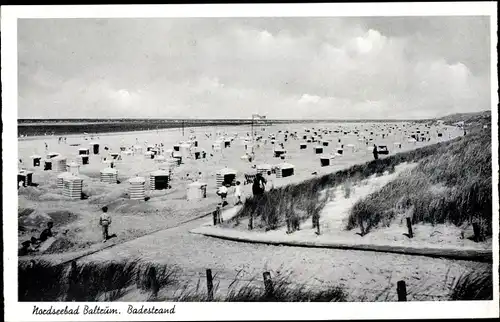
column 470, row 119
column 110, row 281
column 271, row 210
column 453, row 186
column 39, row 281
column 43, row 281
column 285, row 291
column 473, row 286
column 463, row 162
column 251, row 291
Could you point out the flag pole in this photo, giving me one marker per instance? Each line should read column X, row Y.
column 252, row 133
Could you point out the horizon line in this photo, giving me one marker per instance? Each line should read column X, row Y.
column 248, row 119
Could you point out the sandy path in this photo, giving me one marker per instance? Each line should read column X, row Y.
column 365, row 272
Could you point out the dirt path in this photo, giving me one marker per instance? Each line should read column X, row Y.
column 366, row 272
column 63, row 258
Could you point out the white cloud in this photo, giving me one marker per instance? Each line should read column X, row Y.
column 306, row 98
column 336, row 68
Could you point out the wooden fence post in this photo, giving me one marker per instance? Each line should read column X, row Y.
column 361, row 226
column 401, row 288
column 408, row 224
column 268, row 284
column 250, row 222
column 210, row 285
column 477, row 232
column 296, row 223
column 318, row 232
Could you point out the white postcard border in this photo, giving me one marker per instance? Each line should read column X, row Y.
column 15, row 311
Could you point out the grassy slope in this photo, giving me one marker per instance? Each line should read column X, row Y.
column 470, row 119
column 301, row 201
column 463, row 165
column 453, row 185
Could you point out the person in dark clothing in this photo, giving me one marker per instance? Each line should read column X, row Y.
column 34, row 243
column 375, row 152
column 25, row 248
column 47, row 232
column 259, row 184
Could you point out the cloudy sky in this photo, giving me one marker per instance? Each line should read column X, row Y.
column 331, row 68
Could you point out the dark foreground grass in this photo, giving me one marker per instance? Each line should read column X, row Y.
column 283, row 292
column 253, row 291
column 464, row 162
column 452, row 185
column 42, row 281
column 473, row 286
column 110, row 281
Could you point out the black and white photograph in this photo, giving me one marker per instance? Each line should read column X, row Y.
column 165, row 160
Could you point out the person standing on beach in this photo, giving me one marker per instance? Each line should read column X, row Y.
column 105, row 222
column 222, row 193
column 269, row 181
column 259, row 185
column 217, row 215
column 375, row 152
column 237, row 193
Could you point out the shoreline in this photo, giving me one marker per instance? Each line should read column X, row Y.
column 142, row 131
column 125, row 132
column 140, row 126
column 122, row 132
